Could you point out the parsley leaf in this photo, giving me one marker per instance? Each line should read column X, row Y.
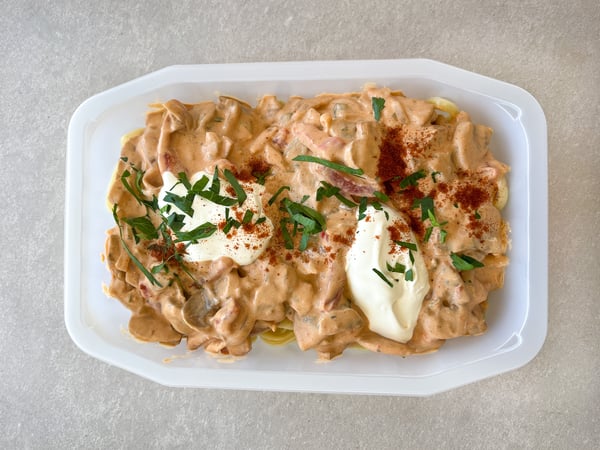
column 183, row 179
column 412, row 179
column 408, row 245
column 203, row 231
column 398, row 268
column 426, row 204
column 142, row 227
column 239, row 191
column 135, row 261
column 277, row 194
column 332, row 165
column 464, row 262
column 247, row 217
column 377, row 103
column 230, row 222
column 383, row 277
column 304, row 219
column 328, row 190
column 427, row 234
column 261, row 176
column 362, row 207
column 381, row 196
column 183, row 203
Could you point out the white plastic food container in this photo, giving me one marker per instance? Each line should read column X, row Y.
column 517, row 314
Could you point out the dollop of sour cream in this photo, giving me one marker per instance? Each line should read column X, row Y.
column 392, row 310
column 243, row 244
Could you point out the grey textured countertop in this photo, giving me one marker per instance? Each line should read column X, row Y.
column 54, row 396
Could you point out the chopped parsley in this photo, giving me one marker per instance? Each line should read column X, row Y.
column 277, row 194
column 328, row 190
column 464, row 262
column 381, row 196
column 362, row 207
column 305, row 220
column 412, row 179
column 408, row 245
column 261, row 176
column 142, row 228
column 184, row 203
column 426, row 205
column 136, row 261
column 247, row 217
column 398, row 268
column 332, row 165
column 378, row 104
column 239, row 191
column 383, row 277
column 203, row 231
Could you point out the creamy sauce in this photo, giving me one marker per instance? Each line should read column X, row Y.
column 242, row 244
column 309, row 264
column 392, row 310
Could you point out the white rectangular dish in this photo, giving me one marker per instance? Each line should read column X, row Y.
column 517, row 315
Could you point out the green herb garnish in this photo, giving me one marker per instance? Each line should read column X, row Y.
column 408, row 245
column 383, row 277
column 377, row 103
column 183, row 179
column 215, row 185
column 427, row 234
column 330, row 164
column 278, row 193
column 200, row 185
column 426, row 204
column 433, row 175
column 136, row 261
column 381, row 196
column 175, row 221
column 328, row 190
column 464, row 262
column 261, row 176
column 247, row 217
column 398, row 268
column 443, row 234
column 412, row 179
column 203, row 231
column 230, row 223
column 183, row 203
column 287, row 238
column 142, row 228
column 362, row 207
column 214, row 197
column 304, row 219
column 433, row 219
column 239, row 191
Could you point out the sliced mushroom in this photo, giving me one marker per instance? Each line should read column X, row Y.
column 197, row 308
column 150, row 326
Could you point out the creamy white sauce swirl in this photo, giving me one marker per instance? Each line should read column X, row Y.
column 243, row 244
column 392, row 310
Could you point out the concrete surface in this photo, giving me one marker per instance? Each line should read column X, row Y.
column 54, row 396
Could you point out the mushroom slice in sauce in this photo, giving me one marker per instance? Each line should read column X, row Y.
column 196, row 309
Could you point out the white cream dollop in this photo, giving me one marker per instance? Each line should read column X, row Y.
column 392, row 311
column 243, row 244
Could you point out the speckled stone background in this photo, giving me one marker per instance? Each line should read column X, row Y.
column 53, row 57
